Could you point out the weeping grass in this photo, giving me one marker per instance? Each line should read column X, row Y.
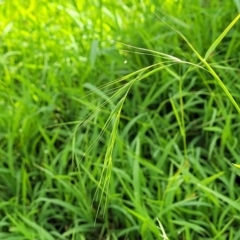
column 119, row 120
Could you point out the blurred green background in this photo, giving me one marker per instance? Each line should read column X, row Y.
column 80, row 159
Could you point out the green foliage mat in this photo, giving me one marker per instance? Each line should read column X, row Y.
column 119, row 120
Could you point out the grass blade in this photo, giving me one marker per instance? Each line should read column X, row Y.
column 219, row 39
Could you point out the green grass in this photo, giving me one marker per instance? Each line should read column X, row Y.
column 119, row 120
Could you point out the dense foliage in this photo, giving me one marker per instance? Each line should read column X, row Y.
column 110, row 122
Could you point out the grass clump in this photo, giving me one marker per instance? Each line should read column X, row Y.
column 147, row 156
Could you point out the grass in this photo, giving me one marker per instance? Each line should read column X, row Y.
column 116, row 125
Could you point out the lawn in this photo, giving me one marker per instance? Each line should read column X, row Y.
column 119, row 120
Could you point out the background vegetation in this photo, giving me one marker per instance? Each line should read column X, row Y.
column 84, row 156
